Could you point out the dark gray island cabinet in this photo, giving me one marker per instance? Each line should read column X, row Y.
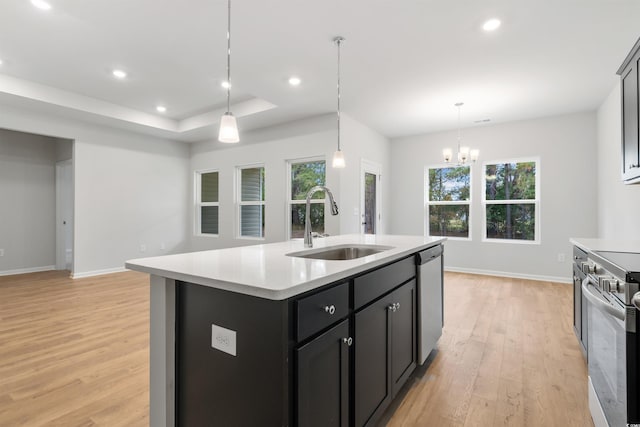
column 334, row 355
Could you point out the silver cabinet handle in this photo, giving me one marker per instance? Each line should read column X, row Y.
column 394, row 307
column 348, row 341
column 636, row 300
column 331, row 309
column 397, row 306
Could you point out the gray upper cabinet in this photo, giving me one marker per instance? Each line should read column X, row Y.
column 628, row 72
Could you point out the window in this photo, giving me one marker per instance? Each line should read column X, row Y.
column 251, row 201
column 511, row 200
column 303, row 175
column 207, row 204
column 448, row 201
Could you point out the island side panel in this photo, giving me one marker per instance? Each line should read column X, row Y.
column 162, row 352
column 243, row 382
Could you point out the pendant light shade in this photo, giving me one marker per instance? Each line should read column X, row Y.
column 228, row 132
column 228, row 129
column 338, row 155
column 338, row 159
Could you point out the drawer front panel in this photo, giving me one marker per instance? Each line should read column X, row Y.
column 370, row 286
column 320, row 310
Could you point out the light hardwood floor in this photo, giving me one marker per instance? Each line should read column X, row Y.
column 75, row 353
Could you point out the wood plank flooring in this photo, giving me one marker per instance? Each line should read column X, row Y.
column 76, row 353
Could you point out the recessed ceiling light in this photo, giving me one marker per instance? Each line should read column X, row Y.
column 161, row 109
column 119, row 74
column 294, row 81
column 225, row 84
column 491, row 24
column 41, row 4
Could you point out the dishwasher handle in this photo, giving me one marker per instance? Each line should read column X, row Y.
column 599, row 303
column 428, row 255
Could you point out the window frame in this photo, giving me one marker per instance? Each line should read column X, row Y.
column 536, row 202
column 239, row 202
column 428, row 203
column 199, row 204
column 289, row 202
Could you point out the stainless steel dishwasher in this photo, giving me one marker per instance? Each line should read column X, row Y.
column 430, row 300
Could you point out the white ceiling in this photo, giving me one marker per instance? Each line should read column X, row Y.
column 404, row 62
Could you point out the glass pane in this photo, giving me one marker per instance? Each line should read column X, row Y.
column 511, row 181
column 209, row 187
column 304, row 176
column 252, row 185
column 449, row 220
column 298, row 215
column 209, row 220
column 252, row 221
column 511, row 221
column 369, row 203
column 449, row 184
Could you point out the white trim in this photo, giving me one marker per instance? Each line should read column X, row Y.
column 536, row 202
column 27, row 270
column 554, row 279
column 98, row 272
column 427, row 203
column 597, row 414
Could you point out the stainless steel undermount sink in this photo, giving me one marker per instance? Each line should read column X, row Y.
column 340, row 252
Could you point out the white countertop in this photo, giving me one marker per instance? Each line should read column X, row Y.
column 266, row 271
column 612, row 245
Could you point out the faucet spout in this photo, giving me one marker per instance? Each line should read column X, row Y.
column 308, row 240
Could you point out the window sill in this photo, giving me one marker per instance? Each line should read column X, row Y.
column 514, row 241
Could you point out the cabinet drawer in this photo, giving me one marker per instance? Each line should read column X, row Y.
column 320, row 310
column 370, row 286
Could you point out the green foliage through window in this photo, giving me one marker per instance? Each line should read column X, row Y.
column 449, row 194
column 304, row 176
column 510, row 193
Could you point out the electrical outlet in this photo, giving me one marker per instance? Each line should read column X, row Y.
column 560, row 257
column 1, row 252
column 143, row 248
column 223, row 339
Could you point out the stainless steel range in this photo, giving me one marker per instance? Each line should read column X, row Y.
column 611, row 287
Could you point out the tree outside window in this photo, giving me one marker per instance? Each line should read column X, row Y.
column 304, row 176
column 448, row 201
column 511, row 200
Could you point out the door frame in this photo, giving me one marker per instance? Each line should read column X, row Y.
column 368, row 166
column 62, row 244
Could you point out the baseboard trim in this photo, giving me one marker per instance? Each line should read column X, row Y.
column 509, row 274
column 27, row 270
column 97, row 272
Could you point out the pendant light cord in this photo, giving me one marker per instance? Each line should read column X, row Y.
column 338, row 41
column 459, row 130
column 229, row 56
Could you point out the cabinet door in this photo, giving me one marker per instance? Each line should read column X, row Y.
column 372, row 362
column 403, row 335
column 323, row 379
column 630, row 148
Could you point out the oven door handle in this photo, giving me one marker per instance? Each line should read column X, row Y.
column 598, row 303
column 636, row 300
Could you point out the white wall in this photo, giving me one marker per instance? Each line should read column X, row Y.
column 618, row 204
column 27, row 202
column 129, row 190
column 304, row 138
column 566, row 147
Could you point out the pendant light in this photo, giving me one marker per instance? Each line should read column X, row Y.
column 338, row 156
column 464, row 153
column 228, row 132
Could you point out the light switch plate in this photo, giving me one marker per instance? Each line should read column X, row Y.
column 223, row 339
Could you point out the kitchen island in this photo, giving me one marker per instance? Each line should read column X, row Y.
column 255, row 336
